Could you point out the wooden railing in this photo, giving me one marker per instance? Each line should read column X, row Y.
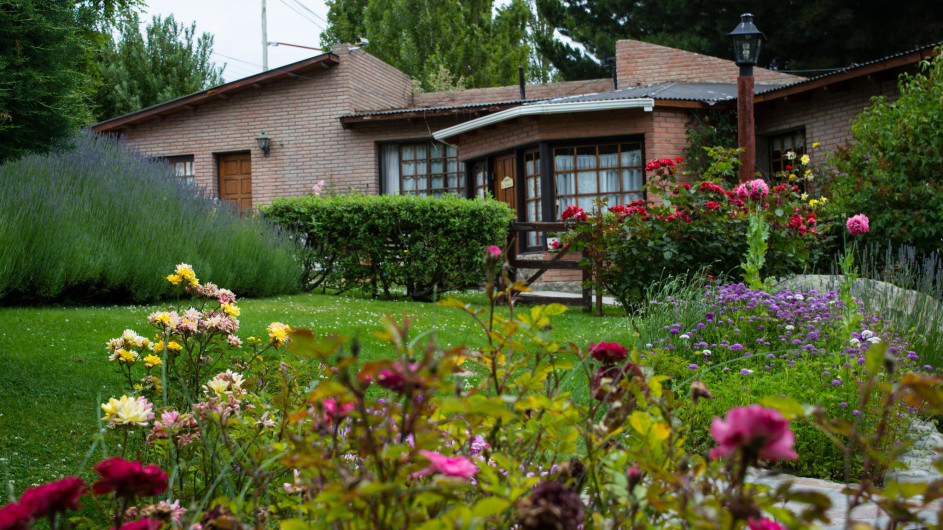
column 542, row 266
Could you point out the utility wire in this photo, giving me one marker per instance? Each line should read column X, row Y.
column 303, row 15
column 309, row 10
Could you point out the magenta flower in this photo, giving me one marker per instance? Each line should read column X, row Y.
column 754, row 190
column 608, row 352
column 764, row 524
column 494, row 251
column 55, row 497
column 334, row 411
column 756, row 429
column 858, row 224
column 450, row 466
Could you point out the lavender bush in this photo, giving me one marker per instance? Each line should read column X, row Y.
column 102, row 222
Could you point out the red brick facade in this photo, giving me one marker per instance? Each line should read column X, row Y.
column 643, row 63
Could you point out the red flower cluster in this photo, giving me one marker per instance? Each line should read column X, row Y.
column 143, row 524
column 801, row 224
column 608, row 352
column 710, row 187
column 129, row 479
column 711, row 205
column 43, row 501
column 398, row 378
column 667, row 163
column 573, row 212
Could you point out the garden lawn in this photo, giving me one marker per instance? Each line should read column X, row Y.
column 55, row 371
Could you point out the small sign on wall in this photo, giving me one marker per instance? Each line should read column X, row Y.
column 507, row 182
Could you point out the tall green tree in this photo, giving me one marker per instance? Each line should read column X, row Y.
column 46, row 69
column 800, row 34
column 469, row 40
column 139, row 70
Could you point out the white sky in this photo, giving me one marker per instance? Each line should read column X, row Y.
column 236, row 26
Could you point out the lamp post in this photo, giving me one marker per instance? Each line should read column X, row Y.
column 746, row 40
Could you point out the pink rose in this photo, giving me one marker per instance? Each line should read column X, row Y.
column 765, row 524
column 450, row 466
column 756, row 429
column 494, row 251
column 858, row 224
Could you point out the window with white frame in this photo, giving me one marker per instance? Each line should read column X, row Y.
column 182, row 167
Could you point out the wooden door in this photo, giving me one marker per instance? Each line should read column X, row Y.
column 505, row 180
column 235, row 179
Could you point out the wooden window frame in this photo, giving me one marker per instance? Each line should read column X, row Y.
column 173, row 161
column 533, row 184
column 636, row 143
column 778, row 164
column 459, row 173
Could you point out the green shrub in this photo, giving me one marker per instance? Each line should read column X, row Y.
column 103, row 223
column 374, row 243
column 892, row 169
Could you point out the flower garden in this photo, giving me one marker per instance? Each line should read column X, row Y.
column 461, row 409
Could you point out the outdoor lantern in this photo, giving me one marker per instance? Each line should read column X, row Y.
column 746, row 41
column 265, row 143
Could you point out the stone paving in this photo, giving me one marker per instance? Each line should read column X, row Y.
column 918, row 460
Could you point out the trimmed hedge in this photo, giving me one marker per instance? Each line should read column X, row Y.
column 377, row 242
column 103, row 224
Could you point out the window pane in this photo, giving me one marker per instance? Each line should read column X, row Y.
column 609, row 180
column 631, row 156
column 408, row 152
column 453, row 181
column 631, row 179
column 586, row 157
column 529, row 166
column 563, row 202
column 436, row 181
column 451, row 165
column 608, row 156
column 421, row 151
column 437, row 165
column 436, row 151
column 538, row 186
column 566, row 184
column 587, row 182
column 409, row 183
column 629, row 197
column 422, row 167
column 586, row 203
column 613, row 200
column 409, row 168
column 563, row 161
column 450, row 151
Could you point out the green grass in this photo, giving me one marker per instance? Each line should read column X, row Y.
column 55, row 371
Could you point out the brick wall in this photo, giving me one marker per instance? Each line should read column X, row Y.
column 301, row 116
column 642, row 63
column 826, row 114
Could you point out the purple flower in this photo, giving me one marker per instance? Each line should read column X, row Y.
column 746, row 371
column 692, row 366
column 736, row 347
column 855, row 412
column 836, row 382
column 843, row 404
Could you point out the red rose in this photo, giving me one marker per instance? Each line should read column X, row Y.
column 398, row 379
column 711, row 205
column 55, row 497
column 129, row 479
column 679, row 159
column 789, row 167
column 15, row 516
column 608, row 352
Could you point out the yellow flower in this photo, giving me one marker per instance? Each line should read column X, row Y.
column 815, row 144
column 804, row 160
column 808, row 172
column 127, row 411
column 174, row 279
column 792, row 176
column 124, row 356
column 174, row 346
column 228, row 382
column 804, row 196
column 194, row 282
column 231, row 309
column 158, row 346
column 278, row 333
column 152, row 360
column 185, row 271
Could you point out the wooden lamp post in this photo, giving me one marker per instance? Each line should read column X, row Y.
column 746, row 40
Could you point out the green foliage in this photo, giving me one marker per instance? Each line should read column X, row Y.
column 757, row 235
column 375, row 243
column 42, row 101
column 139, row 71
column 856, row 31
column 102, row 223
column 424, row 37
column 892, row 170
column 699, row 229
column 706, row 131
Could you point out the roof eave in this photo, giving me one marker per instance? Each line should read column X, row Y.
column 646, row 104
column 323, row 61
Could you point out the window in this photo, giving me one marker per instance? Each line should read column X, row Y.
column 781, row 145
column 183, row 168
column 532, row 192
column 585, row 173
column 482, row 188
column 423, row 168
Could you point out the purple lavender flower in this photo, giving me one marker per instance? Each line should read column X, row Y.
column 736, row 347
column 843, row 404
column 836, row 382
column 746, row 371
column 692, row 366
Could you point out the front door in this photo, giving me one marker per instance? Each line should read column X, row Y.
column 235, row 179
column 505, row 180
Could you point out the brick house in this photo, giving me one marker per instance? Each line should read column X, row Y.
column 352, row 120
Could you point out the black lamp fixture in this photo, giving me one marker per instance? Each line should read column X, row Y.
column 265, row 143
column 746, row 40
